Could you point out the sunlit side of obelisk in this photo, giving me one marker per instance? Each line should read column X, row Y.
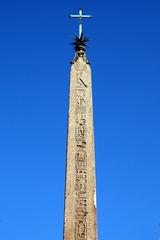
column 80, row 221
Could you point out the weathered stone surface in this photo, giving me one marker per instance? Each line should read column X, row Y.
column 80, row 197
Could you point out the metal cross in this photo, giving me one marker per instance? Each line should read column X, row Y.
column 80, row 16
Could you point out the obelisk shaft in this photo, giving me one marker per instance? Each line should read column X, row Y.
column 80, row 197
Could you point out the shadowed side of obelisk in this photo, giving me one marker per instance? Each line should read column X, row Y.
column 80, row 196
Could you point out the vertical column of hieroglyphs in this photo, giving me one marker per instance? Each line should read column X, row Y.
column 81, row 202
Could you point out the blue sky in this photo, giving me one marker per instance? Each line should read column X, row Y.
column 35, row 57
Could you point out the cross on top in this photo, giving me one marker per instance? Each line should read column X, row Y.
column 80, row 16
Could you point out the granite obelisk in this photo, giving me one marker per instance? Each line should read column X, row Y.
column 80, row 194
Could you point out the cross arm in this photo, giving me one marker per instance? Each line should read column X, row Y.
column 79, row 16
column 74, row 16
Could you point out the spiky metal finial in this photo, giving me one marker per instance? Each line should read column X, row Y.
column 79, row 43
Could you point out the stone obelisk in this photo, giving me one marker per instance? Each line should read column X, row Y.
column 80, row 196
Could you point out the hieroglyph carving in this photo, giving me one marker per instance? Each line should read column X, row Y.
column 81, row 156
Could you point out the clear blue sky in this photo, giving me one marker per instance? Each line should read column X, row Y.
column 35, row 60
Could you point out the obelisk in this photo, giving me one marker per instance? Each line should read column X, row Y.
column 80, row 194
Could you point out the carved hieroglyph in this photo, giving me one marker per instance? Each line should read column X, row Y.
column 80, row 196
